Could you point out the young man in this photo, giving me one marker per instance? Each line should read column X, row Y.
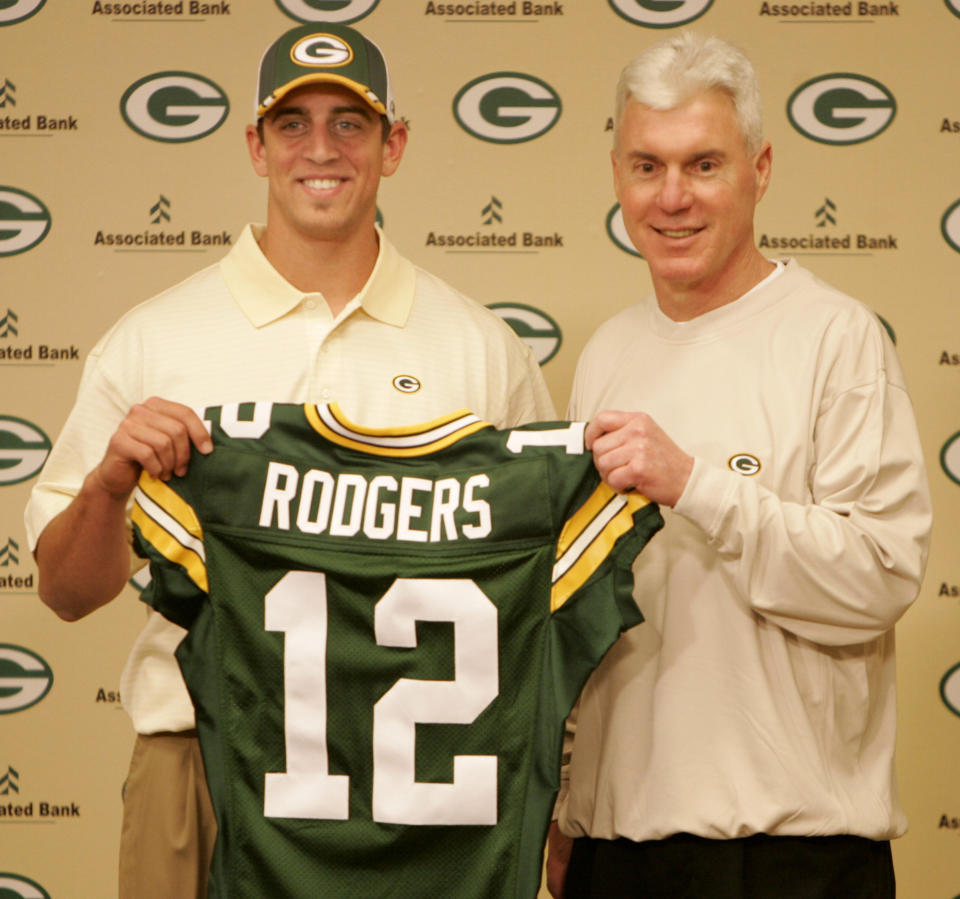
column 315, row 306
column 741, row 743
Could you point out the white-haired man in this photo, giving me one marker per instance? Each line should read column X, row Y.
column 741, row 743
column 315, row 306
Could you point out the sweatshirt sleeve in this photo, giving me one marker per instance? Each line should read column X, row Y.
column 843, row 566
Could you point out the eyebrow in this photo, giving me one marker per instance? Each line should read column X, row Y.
column 635, row 155
column 358, row 109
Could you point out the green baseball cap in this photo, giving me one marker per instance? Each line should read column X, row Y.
column 324, row 52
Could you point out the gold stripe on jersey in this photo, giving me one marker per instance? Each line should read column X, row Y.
column 588, row 538
column 415, row 440
column 170, row 525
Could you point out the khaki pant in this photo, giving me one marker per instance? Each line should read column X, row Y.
column 168, row 822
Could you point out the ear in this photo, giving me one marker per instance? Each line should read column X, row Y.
column 393, row 148
column 258, row 154
column 763, row 163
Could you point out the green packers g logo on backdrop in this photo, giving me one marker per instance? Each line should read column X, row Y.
column 23, row 450
column 506, row 107
column 841, row 108
column 950, row 689
column 13, row 11
column 950, row 458
column 954, row 7
column 660, row 13
column 342, row 11
column 533, row 326
column 25, row 679
column 24, row 221
column 950, row 226
column 14, row 886
column 174, row 106
column 618, row 231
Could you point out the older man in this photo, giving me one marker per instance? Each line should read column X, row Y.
column 315, row 306
column 741, row 743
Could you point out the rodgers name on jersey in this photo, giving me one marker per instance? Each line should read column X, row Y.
column 387, row 629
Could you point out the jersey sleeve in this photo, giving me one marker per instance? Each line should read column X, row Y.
column 167, row 531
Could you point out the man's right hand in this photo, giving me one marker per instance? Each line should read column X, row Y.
column 156, row 437
column 83, row 554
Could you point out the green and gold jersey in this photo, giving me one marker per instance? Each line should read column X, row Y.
column 386, row 631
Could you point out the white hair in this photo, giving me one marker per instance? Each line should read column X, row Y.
column 675, row 70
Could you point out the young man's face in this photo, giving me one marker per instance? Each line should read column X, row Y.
column 324, row 154
column 688, row 189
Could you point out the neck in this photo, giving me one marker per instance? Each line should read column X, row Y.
column 335, row 267
column 683, row 301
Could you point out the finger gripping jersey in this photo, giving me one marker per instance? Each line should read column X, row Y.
column 386, row 631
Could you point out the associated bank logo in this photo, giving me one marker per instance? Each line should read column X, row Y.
column 7, row 90
column 174, row 107
column 660, row 13
column 617, row 231
column 18, row 10
column 841, row 108
column 14, row 886
column 506, row 107
column 342, row 11
column 534, row 327
column 24, row 221
column 25, row 679
column 23, row 450
column 950, row 458
column 950, row 226
column 950, row 689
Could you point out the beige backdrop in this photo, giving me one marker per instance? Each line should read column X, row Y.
column 878, row 217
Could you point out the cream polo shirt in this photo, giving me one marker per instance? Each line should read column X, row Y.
column 408, row 348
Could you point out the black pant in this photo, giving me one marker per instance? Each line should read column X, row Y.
column 756, row 867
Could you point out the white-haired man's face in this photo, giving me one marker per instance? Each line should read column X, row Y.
column 688, row 190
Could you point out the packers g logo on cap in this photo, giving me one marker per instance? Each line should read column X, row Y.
column 321, row 50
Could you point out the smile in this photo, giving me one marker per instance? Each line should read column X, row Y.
column 322, row 183
column 684, row 232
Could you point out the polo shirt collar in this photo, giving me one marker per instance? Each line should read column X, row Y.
column 264, row 295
